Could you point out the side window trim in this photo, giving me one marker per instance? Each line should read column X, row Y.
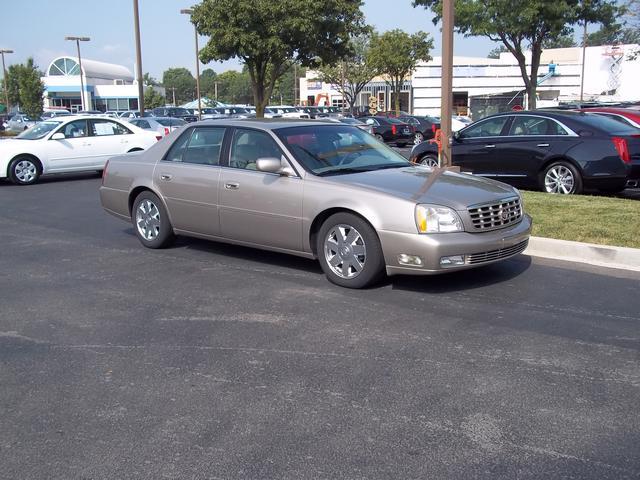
column 504, row 132
column 188, row 132
column 229, row 143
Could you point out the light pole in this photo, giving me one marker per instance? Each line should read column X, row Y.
column 78, row 40
column 446, row 81
column 6, row 84
column 136, row 24
column 189, row 11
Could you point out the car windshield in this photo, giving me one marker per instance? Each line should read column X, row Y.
column 351, row 121
column 338, row 149
column 607, row 124
column 39, row 130
column 395, row 120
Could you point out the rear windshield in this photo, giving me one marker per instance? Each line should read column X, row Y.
column 608, row 124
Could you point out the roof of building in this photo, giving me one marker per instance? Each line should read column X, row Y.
column 92, row 68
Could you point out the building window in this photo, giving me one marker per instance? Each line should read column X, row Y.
column 64, row 66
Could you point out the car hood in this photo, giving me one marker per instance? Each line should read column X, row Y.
column 424, row 185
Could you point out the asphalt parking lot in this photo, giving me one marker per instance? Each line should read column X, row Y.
column 208, row 361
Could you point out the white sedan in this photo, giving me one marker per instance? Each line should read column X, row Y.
column 69, row 144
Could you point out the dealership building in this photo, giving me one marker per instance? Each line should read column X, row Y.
column 106, row 86
column 482, row 86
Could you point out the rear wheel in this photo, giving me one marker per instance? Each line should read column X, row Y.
column 151, row 222
column 429, row 160
column 418, row 139
column 24, row 170
column 379, row 137
column 562, row 178
column 349, row 251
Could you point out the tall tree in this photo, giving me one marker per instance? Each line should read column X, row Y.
column 355, row 69
column 234, row 87
column 267, row 35
column 395, row 54
column 524, row 24
column 148, row 80
column 25, row 87
column 208, row 79
column 183, row 82
column 153, row 99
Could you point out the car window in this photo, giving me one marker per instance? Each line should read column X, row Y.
column 200, row 146
column 103, row 128
column 524, row 125
column 607, row 124
column 487, row 128
column 616, row 117
column 371, row 121
column 248, row 146
column 75, row 129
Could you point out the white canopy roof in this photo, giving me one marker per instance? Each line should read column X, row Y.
column 92, row 68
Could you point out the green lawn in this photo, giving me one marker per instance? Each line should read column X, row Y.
column 585, row 218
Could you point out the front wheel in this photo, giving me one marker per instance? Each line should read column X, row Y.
column 429, row 160
column 151, row 222
column 379, row 137
column 562, row 178
column 349, row 251
column 24, row 171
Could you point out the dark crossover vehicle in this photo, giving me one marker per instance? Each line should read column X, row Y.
column 176, row 112
column 556, row 151
column 425, row 126
column 391, row 130
column 315, row 189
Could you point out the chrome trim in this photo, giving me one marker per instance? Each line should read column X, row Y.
column 493, row 216
column 493, row 255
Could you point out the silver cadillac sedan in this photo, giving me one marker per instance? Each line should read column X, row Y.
column 318, row 190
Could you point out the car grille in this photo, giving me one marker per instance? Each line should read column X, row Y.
column 496, row 215
column 483, row 257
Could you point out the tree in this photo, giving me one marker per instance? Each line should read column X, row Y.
column 152, row 98
column 234, row 87
column 524, row 24
column 208, row 79
column 25, row 87
column 613, row 34
column 562, row 41
column 268, row 35
column 395, row 55
column 356, row 70
column 284, row 87
column 148, row 80
column 183, row 82
column 495, row 53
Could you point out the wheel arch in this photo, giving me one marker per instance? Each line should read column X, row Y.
column 320, row 218
column 38, row 162
column 135, row 149
column 559, row 158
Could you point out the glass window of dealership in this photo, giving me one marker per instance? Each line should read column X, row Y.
column 106, row 86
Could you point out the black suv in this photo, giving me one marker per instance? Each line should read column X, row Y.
column 176, row 112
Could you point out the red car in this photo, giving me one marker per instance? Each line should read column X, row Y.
column 627, row 115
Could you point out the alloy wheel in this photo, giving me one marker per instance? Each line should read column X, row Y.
column 345, row 251
column 418, row 139
column 559, row 179
column 148, row 220
column 26, row 171
column 429, row 161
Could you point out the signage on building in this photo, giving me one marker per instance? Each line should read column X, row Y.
column 314, row 85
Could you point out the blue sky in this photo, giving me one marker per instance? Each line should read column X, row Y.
column 167, row 36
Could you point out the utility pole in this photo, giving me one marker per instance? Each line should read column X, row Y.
column 446, row 82
column 295, row 84
column 136, row 22
column 78, row 40
column 189, row 11
column 344, row 97
column 6, row 84
column 215, row 90
column 584, row 51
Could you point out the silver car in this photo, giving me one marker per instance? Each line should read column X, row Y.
column 318, row 190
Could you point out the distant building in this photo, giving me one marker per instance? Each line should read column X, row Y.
column 106, row 86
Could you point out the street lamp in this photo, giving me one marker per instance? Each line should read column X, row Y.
column 189, row 11
column 136, row 25
column 78, row 40
column 6, row 85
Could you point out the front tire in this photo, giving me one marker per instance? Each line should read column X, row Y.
column 151, row 222
column 349, row 251
column 561, row 177
column 429, row 160
column 24, row 170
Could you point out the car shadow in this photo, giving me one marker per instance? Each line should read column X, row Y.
column 56, row 178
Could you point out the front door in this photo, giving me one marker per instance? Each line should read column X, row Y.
column 477, row 148
column 257, row 207
column 72, row 152
column 188, row 177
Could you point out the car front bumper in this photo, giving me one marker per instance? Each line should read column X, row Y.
column 476, row 249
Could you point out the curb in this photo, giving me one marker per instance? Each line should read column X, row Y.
column 600, row 255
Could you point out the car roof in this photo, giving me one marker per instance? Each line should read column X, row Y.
column 264, row 124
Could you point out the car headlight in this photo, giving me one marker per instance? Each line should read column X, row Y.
column 437, row 219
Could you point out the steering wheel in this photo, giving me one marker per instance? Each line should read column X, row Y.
column 349, row 158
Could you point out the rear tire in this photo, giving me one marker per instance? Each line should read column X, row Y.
column 24, row 170
column 562, row 178
column 349, row 251
column 379, row 137
column 151, row 222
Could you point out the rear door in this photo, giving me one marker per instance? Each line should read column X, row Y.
column 476, row 149
column 107, row 138
column 187, row 178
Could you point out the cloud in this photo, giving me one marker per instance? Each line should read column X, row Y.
column 111, row 48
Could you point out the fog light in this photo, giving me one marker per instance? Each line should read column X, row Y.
column 452, row 261
column 412, row 260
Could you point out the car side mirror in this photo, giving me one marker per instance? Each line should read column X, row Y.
column 274, row 165
column 456, row 136
column 58, row 136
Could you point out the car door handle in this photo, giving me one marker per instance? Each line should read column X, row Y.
column 543, row 145
column 85, row 144
column 166, row 177
column 232, row 186
column 489, row 146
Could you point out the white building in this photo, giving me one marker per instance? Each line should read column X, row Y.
column 106, row 86
column 610, row 75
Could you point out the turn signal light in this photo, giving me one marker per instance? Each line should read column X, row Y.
column 623, row 148
column 166, row 131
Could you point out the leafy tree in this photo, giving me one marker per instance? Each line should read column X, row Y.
column 25, row 87
column 152, row 98
column 148, row 80
column 283, row 90
column 234, row 87
column 268, row 35
column 356, row 69
column 208, row 79
column 395, row 54
column 612, row 34
column 183, row 82
column 495, row 53
column 524, row 24
column 562, row 41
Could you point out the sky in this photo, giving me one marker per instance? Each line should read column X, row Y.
column 167, row 37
